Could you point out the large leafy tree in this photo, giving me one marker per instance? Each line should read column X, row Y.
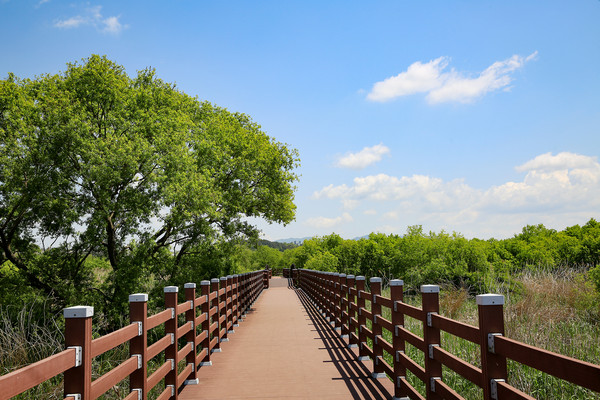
column 94, row 162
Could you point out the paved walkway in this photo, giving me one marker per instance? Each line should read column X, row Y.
column 285, row 350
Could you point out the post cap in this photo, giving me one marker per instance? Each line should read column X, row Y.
column 229, row 276
column 171, row 289
column 189, row 285
column 223, row 278
column 214, row 280
column 138, row 298
column 78, row 312
column 489, row 299
column 375, row 280
column 396, row 282
column 430, row 289
column 342, row 275
column 204, row 283
column 350, row 276
column 360, row 278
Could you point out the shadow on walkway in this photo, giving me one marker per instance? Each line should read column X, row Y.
column 355, row 374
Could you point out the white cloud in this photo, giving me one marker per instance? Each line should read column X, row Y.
column 449, row 86
column 364, row 158
column 417, row 78
column 323, row 222
column 92, row 16
column 558, row 189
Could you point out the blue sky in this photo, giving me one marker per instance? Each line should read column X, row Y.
column 471, row 116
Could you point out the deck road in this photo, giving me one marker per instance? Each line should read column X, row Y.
column 284, row 349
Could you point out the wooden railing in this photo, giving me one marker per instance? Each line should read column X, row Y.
column 342, row 300
column 209, row 318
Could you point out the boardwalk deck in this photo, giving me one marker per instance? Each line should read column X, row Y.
column 285, row 350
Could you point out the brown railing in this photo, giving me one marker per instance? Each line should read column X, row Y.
column 342, row 300
column 209, row 317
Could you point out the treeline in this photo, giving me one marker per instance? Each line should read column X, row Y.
column 419, row 257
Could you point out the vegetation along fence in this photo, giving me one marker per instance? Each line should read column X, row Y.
column 342, row 300
column 209, row 317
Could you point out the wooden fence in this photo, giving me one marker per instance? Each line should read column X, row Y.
column 342, row 299
column 209, row 318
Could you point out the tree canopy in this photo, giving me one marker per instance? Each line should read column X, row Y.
column 130, row 170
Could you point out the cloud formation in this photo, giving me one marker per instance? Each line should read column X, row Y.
column 364, row 158
column 562, row 187
column 92, row 16
column 323, row 222
column 451, row 86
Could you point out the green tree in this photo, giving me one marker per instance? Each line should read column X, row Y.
column 130, row 169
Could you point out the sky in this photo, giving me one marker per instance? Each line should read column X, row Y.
column 476, row 117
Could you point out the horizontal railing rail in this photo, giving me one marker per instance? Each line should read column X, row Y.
column 209, row 318
column 342, row 300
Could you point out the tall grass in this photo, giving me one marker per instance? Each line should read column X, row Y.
column 555, row 310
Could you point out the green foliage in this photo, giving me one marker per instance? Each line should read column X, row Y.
column 134, row 172
column 474, row 264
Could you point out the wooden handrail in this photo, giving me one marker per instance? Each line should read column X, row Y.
column 108, row 342
column 217, row 309
column 342, row 299
column 23, row 379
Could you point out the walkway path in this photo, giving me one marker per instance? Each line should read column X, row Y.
column 285, row 350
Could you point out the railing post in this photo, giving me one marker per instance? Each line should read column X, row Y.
column 491, row 324
column 397, row 295
column 244, row 295
column 362, row 320
column 236, row 302
column 205, row 291
column 378, row 371
column 138, row 312
column 223, row 310
column 266, row 279
column 433, row 368
column 230, row 304
column 331, row 293
column 339, row 278
column 344, row 305
column 214, row 287
column 171, row 329
column 78, row 334
column 190, row 315
column 352, row 341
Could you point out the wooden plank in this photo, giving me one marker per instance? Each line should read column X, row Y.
column 184, row 351
column 114, row 376
column 183, row 307
column 411, row 311
column 459, row 329
column 507, row 392
column 183, row 329
column 412, row 366
column 411, row 338
column 570, row 369
column 384, row 301
column 445, row 391
column 25, row 378
column 412, row 392
column 385, row 323
column 158, row 319
column 158, row 375
column 458, row 365
column 158, row 346
column 107, row 342
column 184, row 375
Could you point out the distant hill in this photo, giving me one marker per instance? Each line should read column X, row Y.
column 281, row 246
column 299, row 241
column 296, row 241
